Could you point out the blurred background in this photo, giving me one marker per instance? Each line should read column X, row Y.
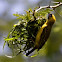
column 52, row 52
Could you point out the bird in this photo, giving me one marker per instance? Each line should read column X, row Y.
column 43, row 33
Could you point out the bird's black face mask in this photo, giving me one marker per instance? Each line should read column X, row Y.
column 49, row 15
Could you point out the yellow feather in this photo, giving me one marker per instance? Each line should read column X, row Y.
column 37, row 41
column 38, row 36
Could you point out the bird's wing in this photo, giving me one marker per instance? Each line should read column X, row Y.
column 37, row 40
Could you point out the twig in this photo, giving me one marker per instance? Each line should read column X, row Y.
column 53, row 7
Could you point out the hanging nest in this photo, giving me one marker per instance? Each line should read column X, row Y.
column 23, row 34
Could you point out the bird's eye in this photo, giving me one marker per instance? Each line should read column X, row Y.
column 49, row 15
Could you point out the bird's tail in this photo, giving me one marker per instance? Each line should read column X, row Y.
column 30, row 51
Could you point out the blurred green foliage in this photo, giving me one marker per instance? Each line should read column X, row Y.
column 16, row 59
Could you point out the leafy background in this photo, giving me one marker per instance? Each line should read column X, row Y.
column 51, row 52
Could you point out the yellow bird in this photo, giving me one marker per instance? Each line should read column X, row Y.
column 43, row 33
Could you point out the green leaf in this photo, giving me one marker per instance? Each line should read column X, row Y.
column 7, row 39
column 30, row 10
column 17, row 15
column 4, row 44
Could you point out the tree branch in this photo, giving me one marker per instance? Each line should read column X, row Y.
column 53, row 7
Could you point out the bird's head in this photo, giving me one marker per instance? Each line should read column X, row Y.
column 51, row 18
